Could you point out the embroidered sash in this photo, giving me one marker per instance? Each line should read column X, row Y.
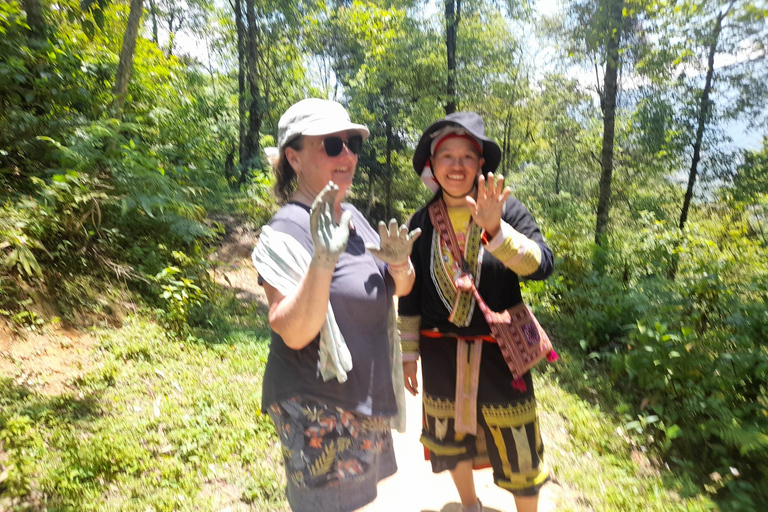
column 460, row 304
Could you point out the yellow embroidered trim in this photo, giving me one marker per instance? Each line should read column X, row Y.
column 539, row 445
column 443, row 280
column 463, row 306
column 438, row 407
column 518, row 252
column 472, row 249
column 510, row 246
column 510, row 416
column 440, row 449
column 526, row 480
column 523, row 448
column 408, row 323
column 409, row 347
column 529, row 262
column 501, row 447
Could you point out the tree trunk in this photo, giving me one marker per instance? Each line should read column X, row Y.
column 254, row 109
column 35, row 18
column 505, row 144
column 610, row 90
column 153, row 14
column 369, row 204
column 210, row 68
column 703, row 117
column 452, row 18
column 241, row 96
column 558, row 170
column 390, row 175
column 171, row 35
column 125, row 65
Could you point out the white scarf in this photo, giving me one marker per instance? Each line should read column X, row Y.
column 282, row 261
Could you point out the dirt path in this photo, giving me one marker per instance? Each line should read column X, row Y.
column 414, row 488
column 232, row 261
column 45, row 360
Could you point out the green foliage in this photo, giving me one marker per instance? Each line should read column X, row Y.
column 17, row 245
column 180, row 294
column 156, row 423
column 687, row 354
column 749, row 194
column 85, row 195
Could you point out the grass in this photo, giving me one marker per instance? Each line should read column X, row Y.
column 591, row 453
column 157, row 425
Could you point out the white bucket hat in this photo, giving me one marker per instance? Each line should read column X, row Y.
column 315, row 116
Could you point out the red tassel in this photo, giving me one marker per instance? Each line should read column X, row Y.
column 520, row 385
column 552, row 356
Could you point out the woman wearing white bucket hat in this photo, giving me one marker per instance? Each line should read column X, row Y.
column 477, row 241
column 332, row 384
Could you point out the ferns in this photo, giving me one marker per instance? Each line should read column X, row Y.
column 749, row 441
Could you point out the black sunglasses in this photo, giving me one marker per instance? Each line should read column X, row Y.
column 334, row 145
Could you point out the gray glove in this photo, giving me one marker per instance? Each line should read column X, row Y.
column 330, row 239
column 396, row 244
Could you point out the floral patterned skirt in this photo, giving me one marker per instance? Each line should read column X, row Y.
column 334, row 458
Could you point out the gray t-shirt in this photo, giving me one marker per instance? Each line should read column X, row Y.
column 361, row 292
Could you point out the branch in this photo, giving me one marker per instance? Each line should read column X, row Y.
column 597, row 158
column 728, row 10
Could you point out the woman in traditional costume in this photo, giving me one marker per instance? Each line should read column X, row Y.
column 475, row 412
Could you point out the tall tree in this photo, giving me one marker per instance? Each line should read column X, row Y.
column 452, row 19
column 125, row 64
column 736, row 29
column 153, row 15
column 608, row 95
column 386, row 66
column 564, row 111
column 242, row 101
column 35, row 18
column 602, row 34
column 263, row 43
column 494, row 81
column 255, row 112
column 703, row 111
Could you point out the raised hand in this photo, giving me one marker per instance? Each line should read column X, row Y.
column 396, row 243
column 330, row 239
column 491, row 195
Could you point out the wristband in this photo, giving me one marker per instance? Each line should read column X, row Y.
column 401, row 268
